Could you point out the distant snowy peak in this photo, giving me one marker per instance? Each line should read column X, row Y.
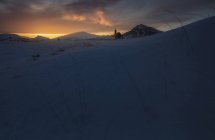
column 79, row 35
column 13, row 37
column 41, row 38
column 141, row 31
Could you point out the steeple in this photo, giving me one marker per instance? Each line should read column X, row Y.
column 115, row 31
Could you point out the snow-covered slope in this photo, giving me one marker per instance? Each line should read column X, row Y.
column 79, row 35
column 155, row 88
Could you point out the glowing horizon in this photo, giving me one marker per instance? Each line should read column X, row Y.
column 33, row 35
column 52, row 36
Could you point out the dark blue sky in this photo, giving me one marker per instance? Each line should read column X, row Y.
column 98, row 16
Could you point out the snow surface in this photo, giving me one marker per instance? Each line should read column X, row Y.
column 156, row 88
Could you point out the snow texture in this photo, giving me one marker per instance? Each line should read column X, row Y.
column 155, row 88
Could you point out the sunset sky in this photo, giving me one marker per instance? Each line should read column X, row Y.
column 57, row 17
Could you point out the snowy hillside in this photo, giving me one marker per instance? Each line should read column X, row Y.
column 155, row 88
column 79, row 35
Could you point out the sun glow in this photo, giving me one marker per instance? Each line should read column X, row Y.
column 103, row 33
column 33, row 35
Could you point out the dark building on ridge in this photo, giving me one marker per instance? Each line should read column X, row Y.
column 117, row 35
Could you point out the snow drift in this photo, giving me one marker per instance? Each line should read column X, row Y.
column 155, row 88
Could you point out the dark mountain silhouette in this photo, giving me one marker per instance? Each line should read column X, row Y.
column 41, row 38
column 13, row 37
column 141, row 31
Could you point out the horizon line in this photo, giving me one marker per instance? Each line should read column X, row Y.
column 55, row 35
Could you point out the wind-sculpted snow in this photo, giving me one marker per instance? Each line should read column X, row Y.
column 155, row 88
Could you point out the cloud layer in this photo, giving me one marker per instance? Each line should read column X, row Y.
column 65, row 16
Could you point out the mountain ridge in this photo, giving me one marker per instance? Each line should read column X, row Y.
column 78, row 35
column 141, row 31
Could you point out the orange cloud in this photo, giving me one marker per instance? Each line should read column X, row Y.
column 74, row 17
column 98, row 17
column 102, row 19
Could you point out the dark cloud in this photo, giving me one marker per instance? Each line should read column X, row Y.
column 3, row 1
column 85, row 6
column 160, row 13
